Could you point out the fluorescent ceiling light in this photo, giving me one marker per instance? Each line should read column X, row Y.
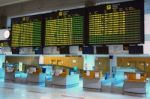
column 10, row 2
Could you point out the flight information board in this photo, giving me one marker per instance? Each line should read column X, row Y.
column 64, row 28
column 118, row 23
column 26, row 31
column 4, row 44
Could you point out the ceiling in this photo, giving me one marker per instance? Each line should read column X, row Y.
column 9, row 2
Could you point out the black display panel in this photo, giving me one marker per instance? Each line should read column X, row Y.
column 111, row 56
column 26, row 31
column 15, row 50
column 38, row 50
column 135, row 49
column 118, row 23
column 43, row 70
column 64, row 27
column 88, row 50
column 64, row 50
column 102, row 50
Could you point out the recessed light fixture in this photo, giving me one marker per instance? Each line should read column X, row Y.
column 74, row 61
column 147, row 64
column 4, row 34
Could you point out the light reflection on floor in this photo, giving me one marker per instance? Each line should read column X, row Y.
column 22, row 91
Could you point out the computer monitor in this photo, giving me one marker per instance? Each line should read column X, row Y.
column 135, row 49
column 88, row 50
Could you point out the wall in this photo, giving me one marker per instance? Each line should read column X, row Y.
column 141, row 63
column 147, row 27
column 103, row 63
column 65, row 61
column 28, row 60
column 2, row 60
column 43, row 6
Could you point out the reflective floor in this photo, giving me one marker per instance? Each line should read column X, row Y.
column 22, row 91
column 26, row 91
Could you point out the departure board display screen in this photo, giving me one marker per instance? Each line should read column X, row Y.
column 64, row 28
column 118, row 23
column 4, row 44
column 26, row 31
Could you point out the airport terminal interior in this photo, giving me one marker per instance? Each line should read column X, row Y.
column 74, row 49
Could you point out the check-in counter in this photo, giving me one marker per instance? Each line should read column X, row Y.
column 34, row 78
column 118, row 80
column 35, row 75
column 62, row 78
column 61, row 70
column 68, row 80
column 9, row 73
column 20, row 77
column 92, row 79
column 20, row 73
column 135, row 83
column 16, row 68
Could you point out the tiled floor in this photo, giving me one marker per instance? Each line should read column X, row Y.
column 22, row 91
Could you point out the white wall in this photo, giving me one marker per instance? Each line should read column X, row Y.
column 147, row 27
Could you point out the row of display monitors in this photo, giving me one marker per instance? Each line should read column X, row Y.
column 117, row 23
column 86, row 50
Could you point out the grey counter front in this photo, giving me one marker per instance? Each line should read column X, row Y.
column 134, row 87
column 69, row 80
column 36, row 78
column 92, row 83
column 9, row 76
